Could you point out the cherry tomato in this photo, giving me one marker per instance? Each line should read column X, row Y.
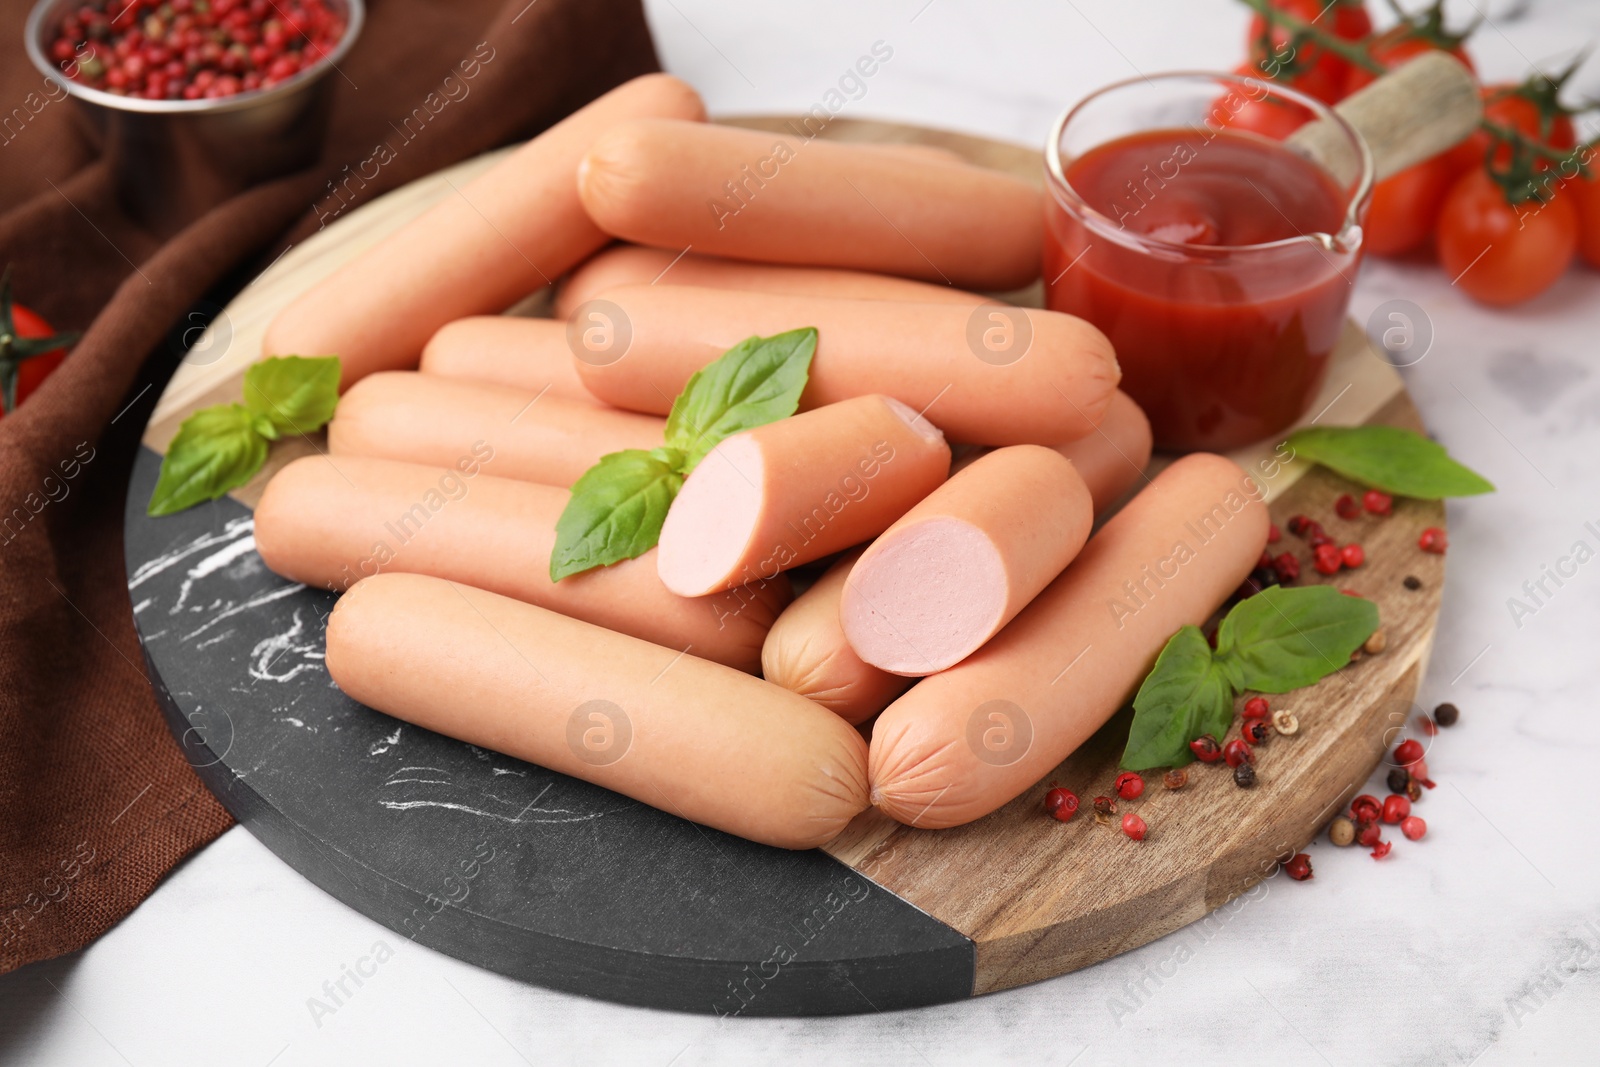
column 1501, row 253
column 1585, row 194
column 1394, row 51
column 1269, row 117
column 1504, row 106
column 1405, row 207
column 22, row 357
column 1323, row 74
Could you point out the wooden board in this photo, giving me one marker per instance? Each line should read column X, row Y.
column 587, row 891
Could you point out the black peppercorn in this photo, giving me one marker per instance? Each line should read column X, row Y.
column 1244, row 776
column 1399, row 779
column 1413, row 582
column 1446, row 714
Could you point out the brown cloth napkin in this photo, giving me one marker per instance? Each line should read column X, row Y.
column 96, row 800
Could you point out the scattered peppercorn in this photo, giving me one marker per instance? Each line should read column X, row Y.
column 1236, row 752
column 1274, row 535
column 1342, row 831
column 1297, row 525
column 1133, row 826
column 1428, row 726
column 1433, row 540
column 1377, row 503
column 1381, row 850
column 1318, row 538
column 1105, row 806
column 1395, row 808
column 1408, row 751
column 1256, row 732
column 1206, row 749
column 1413, row 827
column 1287, row 567
column 1399, row 778
column 1446, row 714
column 1346, row 507
column 1259, row 579
column 1376, row 643
column 1327, row 559
column 1413, row 789
column 1129, row 785
column 1061, row 803
column 1298, row 868
column 1365, row 808
column 1412, row 582
column 1285, row 723
column 1369, row 835
column 1257, row 708
column 1176, row 778
column 1244, row 776
column 1352, row 555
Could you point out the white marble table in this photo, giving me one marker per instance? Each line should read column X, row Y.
column 1481, row 944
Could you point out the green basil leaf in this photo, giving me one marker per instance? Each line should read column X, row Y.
column 757, row 381
column 1388, row 458
column 1183, row 697
column 1283, row 639
column 616, row 510
column 216, row 449
column 296, row 394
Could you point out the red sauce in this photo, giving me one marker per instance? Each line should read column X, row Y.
column 1220, row 345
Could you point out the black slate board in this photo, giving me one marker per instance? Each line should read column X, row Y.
column 494, row 861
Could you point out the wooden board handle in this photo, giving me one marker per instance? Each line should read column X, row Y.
column 1408, row 115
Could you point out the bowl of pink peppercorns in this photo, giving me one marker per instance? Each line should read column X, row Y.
column 194, row 100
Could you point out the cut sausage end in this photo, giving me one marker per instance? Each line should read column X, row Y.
column 713, row 519
column 927, row 597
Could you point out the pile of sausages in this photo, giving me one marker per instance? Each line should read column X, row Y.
column 972, row 635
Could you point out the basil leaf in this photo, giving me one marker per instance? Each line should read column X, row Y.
column 216, row 449
column 616, row 510
column 1183, row 697
column 1389, row 458
column 295, row 394
column 755, row 382
column 1283, row 639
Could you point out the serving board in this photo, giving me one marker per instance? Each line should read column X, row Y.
column 549, row 879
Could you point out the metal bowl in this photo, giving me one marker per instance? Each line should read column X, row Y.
column 173, row 160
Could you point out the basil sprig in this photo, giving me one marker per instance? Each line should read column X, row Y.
column 1276, row 641
column 1389, row 458
column 617, row 507
column 222, row 447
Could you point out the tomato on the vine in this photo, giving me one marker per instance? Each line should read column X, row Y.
column 1585, row 194
column 1395, row 49
column 1518, row 107
column 29, row 349
column 1320, row 73
column 1501, row 253
column 1268, row 116
column 1405, row 207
